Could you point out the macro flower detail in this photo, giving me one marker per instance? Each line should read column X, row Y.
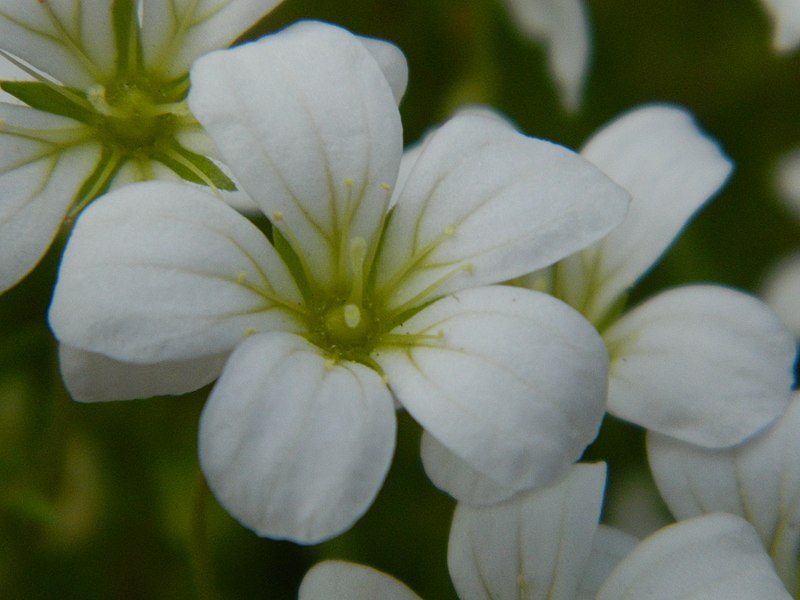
column 786, row 17
column 374, row 290
column 104, row 105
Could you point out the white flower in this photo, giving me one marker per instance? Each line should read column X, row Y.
column 759, row 481
column 104, row 105
column 705, row 364
column 354, row 306
column 547, row 545
column 786, row 15
column 781, row 290
column 564, row 29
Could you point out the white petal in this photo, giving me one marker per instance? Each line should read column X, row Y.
column 704, row 364
column 293, row 445
column 166, row 272
column 671, row 168
column 392, row 62
column 759, row 481
column 510, row 380
column 452, row 475
column 71, row 41
column 484, row 203
column 786, row 14
column 788, row 180
column 609, row 547
column 175, row 33
column 533, row 547
column 781, row 290
column 39, row 180
column 309, row 125
column 339, row 580
column 714, row 557
column 91, row 377
column 563, row 27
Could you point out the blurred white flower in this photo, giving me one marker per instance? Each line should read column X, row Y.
column 786, row 17
column 361, row 300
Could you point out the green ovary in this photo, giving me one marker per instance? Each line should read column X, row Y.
column 348, row 326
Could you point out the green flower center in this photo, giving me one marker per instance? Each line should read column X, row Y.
column 348, row 325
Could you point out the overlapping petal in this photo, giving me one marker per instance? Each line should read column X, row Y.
column 609, row 547
column 71, row 41
column 166, row 272
column 319, row 150
column 511, row 381
column 174, row 33
column 781, row 291
column 91, row 377
column 759, row 481
column 563, row 27
column 338, row 580
column 292, row 444
column 484, row 203
column 786, row 14
column 671, row 168
column 713, row 557
column 534, row 547
column 704, row 364
column 34, row 172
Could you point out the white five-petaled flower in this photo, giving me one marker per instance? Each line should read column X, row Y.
column 363, row 298
column 103, row 105
column 547, row 545
column 701, row 363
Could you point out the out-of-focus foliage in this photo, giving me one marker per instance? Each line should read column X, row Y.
column 106, row 501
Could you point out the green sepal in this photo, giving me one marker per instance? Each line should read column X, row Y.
column 202, row 169
column 98, row 181
column 47, row 98
column 292, row 261
column 126, row 35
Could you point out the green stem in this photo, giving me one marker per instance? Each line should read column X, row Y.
column 199, row 549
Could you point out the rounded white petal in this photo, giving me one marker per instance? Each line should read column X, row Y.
column 91, row 377
column 70, row 41
column 781, row 290
column 713, row 557
column 452, row 475
column 563, row 27
column 759, row 481
column 483, row 204
column 309, row 125
column 671, row 168
column 174, row 33
column 512, row 381
column 535, row 546
column 339, row 580
column 392, row 62
column 166, row 272
column 786, row 14
column 293, row 445
column 704, row 364
column 39, row 181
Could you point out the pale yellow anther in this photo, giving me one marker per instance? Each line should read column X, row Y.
column 249, row 331
column 469, row 268
column 330, row 363
column 348, row 182
column 241, row 277
column 352, row 315
column 386, row 187
column 450, row 230
column 277, row 216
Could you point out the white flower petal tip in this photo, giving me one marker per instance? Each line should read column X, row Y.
column 392, row 62
column 141, row 257
column 292, row 444
column 786, row 15
column 704, row 364
column 759, row 481
column 564, row 29
column 713, row 557
column 781, row 290
column 338, row 580
column 91, row 377
column 671, row 168
column 535, row 546
column 511, row 381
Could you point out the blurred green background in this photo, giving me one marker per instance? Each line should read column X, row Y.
column 106, row 500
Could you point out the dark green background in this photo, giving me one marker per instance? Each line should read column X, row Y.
column 101, row 501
